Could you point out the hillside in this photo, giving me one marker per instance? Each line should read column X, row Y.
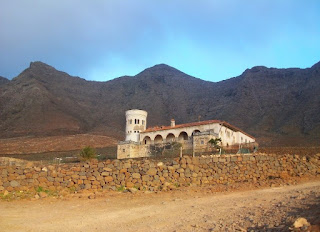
column 3, row 80
column 275, row 105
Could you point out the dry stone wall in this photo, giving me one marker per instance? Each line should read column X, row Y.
column 147, row 174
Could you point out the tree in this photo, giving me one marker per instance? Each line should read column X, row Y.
column 215, row 143
column 88, row 153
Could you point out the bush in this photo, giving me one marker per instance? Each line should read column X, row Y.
column 88, row 153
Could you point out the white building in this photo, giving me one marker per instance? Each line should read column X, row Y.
column 193, row 135
column 136, row 121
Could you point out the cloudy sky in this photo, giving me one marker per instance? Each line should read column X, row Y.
column 210, row 39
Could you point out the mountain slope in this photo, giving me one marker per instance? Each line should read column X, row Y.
column 3, row 80
column 281, row 105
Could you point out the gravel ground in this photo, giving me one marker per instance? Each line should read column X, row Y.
column 186, row 209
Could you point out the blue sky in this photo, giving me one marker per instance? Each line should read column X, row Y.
column 209, row 39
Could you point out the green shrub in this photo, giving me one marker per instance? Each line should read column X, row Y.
column 121, row 188
column 88, row 153
column 41, row 189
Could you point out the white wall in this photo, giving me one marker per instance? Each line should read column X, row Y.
column 227, row 135
column 136, row 121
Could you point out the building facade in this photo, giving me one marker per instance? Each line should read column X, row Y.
column 195, row 135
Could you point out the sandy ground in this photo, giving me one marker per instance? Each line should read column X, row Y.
column 187, row 209
column 29, row 145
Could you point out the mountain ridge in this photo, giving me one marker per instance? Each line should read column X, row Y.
column 3, row 80
column 271, row 104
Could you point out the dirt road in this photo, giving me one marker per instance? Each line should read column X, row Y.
column 272, row 209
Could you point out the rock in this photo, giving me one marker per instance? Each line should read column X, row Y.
column 29, row 164
column 92, row 196
column 136, row 175
column 5, row 193
column 145, row 178
column 43, row 194
column 44, row 169
column 105, row 174
column 14, row 183
column 152, row 171
column 133, row 190
column 108, row 178
column 160, row 164
column 180, row 170
column 129, row 184
column 36, row 196
column 301, row 222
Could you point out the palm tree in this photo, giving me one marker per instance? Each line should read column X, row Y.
column 215, row 143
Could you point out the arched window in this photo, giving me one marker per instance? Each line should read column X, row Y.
column 158, row 139
column 195, row 132
column 147, row 140
column 183, row 136
column 170, row 138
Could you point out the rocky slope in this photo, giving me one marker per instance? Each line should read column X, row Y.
column 278, row 106
column 3, row 80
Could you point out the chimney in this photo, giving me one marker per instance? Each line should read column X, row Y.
column 173, row 123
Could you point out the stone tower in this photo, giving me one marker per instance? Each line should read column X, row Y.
column 136, row 121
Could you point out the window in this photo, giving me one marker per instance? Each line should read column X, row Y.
column 130, row 121
column 123, row 150
column 142, row 122
column 138, row 121
column 202, row 142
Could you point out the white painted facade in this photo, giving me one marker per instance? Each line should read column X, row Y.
column 136, row 121
column 229, row 135
column 191, row 135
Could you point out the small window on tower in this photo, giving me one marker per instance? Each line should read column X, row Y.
column 130, row 121
column 142, row 122
column 138, row 121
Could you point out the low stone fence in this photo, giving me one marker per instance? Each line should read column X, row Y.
column 148, row 174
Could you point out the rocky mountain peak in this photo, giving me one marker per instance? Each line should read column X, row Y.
column 160, row 70
column 255, row 70
column 40, row 66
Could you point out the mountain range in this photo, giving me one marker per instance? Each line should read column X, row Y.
column 280, row 107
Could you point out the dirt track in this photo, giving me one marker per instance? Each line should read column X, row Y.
column 272, row 209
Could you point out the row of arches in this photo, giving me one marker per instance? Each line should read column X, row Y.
column 169, row 138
